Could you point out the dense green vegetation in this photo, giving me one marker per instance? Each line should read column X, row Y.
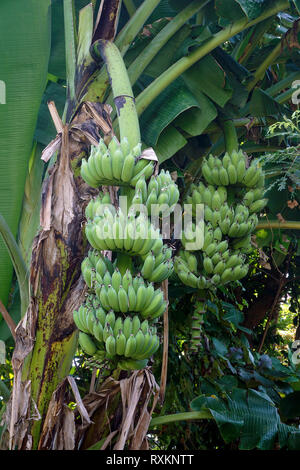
column 207, row 77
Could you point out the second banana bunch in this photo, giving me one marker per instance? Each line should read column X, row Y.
column 118, row 320
column 232, row 195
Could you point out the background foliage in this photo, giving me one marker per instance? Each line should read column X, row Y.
column 245, row 363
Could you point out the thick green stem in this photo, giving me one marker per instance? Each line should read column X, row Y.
column 283, row 84
column 290, row 225
column 140, row 63
column 134, row 25
column 70, row 42
column 130, row 7
column 97, row 89
column 179, row 67
column 124, row 262
column 188, row 416
column 230, row 136
column 48, row 367
column 269, row 60
column 121, row 89
column 138, row 66
column 18, row 263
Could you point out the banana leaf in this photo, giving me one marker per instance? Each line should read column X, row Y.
column 24, row 55
column 57, row 62
column 233, row 10
column 250, row 418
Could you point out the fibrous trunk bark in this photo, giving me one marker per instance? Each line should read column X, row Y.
column 46, row 338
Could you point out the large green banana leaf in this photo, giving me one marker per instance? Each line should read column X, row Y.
column 250, row 418
column 24, row 55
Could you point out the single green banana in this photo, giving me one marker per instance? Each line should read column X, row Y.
column 87, row 343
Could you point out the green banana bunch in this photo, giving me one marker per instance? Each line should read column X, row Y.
column 88, row 271
column 232, row 195
column 89, row 266
column 159, row 195
column 129, row 294
column 104, row 332
column 95, row 206
column 196, row 327
column 116, row 164
column 87, row 344
column 133, row 235
column 117, row 320
column 212, row 197
column 183, row 269
column 232, row 170
column 113, row 338
column 192, row 237
column 157, row 268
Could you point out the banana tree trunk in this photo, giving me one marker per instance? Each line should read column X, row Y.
column 46, row 338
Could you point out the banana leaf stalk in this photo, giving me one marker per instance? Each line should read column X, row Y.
column 274, row 54
column 173, row 418
column 175, row 70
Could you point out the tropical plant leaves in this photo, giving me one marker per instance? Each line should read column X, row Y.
column 230, row 10
column 57, row 61
column 250, row 418
column 220, row 347
column 24, row 54
column 175, row 99
column 169, row 142
column 290, row 405
column 297, row 5
column 163, row 10
column 261, row 104
column 196, row 119
column 254, row 8
column 232, row 314
column 168, row 53
column 208, row 77
column 233, row 10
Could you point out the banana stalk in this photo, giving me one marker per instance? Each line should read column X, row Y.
column 175, row 70
column 98, row 86
column 121, row 89
column 230, row 136
column 232, row 194
column 117, row 321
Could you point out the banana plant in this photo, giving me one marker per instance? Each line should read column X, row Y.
column 46, row 338
column 192, row 109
